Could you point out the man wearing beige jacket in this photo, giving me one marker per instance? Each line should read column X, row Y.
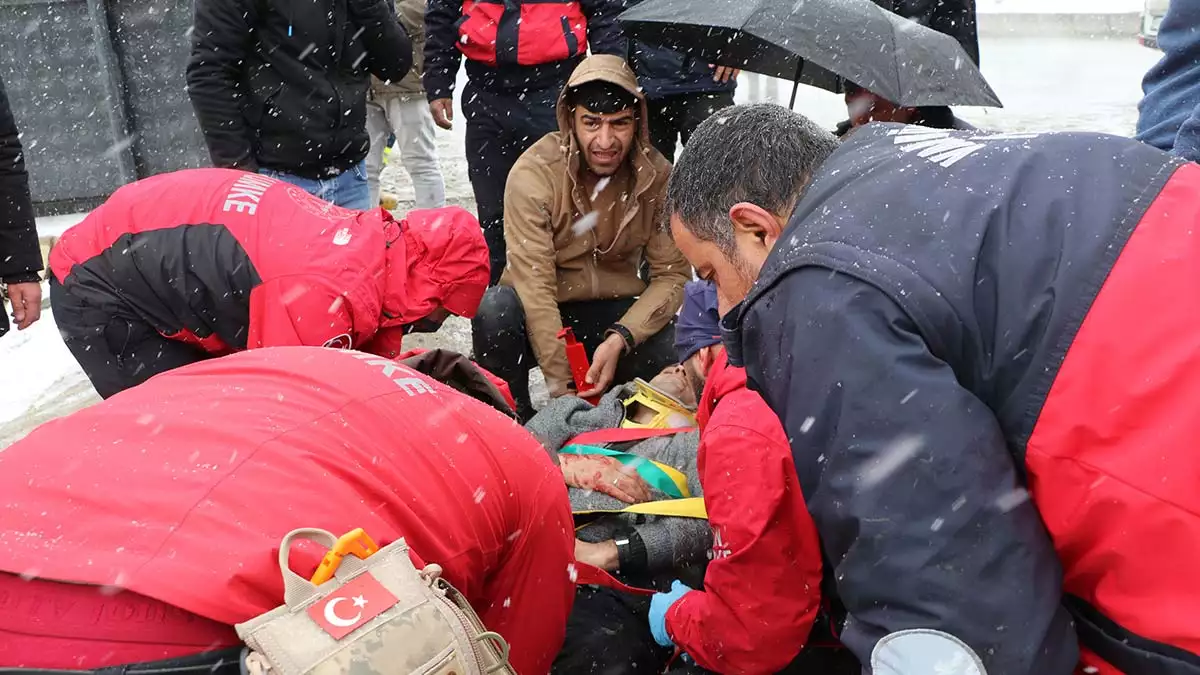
column 399, row 108
column 582, row 213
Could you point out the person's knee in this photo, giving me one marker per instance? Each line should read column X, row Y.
column 498, row 322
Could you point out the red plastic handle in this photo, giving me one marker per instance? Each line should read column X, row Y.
column 577, row 358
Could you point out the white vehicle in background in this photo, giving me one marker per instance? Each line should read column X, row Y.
column 1152, row 16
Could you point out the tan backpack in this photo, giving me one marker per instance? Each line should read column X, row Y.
column 380, row 615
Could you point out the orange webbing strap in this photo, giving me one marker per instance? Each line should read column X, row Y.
column 624, row 435
column 590, row 575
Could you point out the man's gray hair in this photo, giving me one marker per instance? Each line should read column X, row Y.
column 763, row 154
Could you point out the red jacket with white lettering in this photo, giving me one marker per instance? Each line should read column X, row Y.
column 180, row 489
column 232, row 260
column 762, row 588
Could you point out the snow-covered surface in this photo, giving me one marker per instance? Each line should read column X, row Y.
column 41, row 379
column 1046, row 84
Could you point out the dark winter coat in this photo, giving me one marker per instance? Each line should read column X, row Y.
column 443, row 55
column 984, row 351
column 20, row 254
column 955, row 18
column 663, row 72
column 1169, row 115
column 283, row 86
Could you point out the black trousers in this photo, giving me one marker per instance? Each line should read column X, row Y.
column 608, row 633
column 500, row 127
column 501, row 344
column 678, row 116
column 114, row 352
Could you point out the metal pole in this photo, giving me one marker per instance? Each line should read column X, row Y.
column 796, row 83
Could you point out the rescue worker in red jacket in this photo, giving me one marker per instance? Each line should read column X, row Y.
column 192, row 264
column 142, row 528
column 762, row 587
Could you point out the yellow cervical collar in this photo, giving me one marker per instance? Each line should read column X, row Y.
column 669, row 412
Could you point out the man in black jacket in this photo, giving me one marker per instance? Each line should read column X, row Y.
column 281, row 88
column 681, row 92
column 983, row 348
column 519, row 56
column 20, row 255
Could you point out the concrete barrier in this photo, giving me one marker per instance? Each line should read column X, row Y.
column 1027, row 25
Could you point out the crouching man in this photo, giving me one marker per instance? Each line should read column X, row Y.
column 142, row 528
column 582, row 213
column 186, row 265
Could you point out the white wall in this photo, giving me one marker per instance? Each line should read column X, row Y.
column 1059, row 6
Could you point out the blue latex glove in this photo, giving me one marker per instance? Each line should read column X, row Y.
column 659, row 604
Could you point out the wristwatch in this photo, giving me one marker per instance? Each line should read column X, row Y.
column 631, row 552
column 626, row 336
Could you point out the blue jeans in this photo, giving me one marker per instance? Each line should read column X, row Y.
column 348, row 189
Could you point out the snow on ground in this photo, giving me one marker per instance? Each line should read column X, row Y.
column 1046, row 84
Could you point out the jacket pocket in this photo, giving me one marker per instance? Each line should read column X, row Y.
column 477, row 31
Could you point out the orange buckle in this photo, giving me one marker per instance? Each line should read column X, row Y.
column 356, row 542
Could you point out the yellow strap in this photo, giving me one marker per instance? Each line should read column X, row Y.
column 692, row 507
column 676, row 477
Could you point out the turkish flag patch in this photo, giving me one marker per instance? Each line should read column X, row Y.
column 342, row 612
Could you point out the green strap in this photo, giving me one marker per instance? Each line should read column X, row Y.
column 665, row 479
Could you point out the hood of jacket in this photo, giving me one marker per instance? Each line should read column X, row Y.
column 435, row 257
column 612, row 69
column 723, row 379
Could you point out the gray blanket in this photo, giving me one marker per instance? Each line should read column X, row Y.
column 671, row 543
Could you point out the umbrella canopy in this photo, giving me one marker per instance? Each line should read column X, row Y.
column 818, row 42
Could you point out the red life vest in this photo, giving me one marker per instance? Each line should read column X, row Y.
column 522, row 32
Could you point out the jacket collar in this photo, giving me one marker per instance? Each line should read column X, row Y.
column 723, row 379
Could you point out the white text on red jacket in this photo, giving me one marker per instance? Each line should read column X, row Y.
column 246, row 192
column 413, row 386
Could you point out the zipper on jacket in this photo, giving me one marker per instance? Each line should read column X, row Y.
column 594, row 268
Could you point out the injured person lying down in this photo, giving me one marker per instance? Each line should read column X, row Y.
column 637, row 445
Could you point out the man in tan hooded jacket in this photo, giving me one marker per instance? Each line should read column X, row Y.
column 583, row 225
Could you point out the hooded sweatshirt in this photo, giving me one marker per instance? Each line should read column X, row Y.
column 229, row 260
column 557, row 255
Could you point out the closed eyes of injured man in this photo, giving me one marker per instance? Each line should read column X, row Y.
column 967, row 339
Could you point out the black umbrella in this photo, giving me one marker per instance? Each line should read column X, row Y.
column 818, row 42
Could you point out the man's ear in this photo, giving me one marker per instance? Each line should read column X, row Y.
column 754, row 220
column 704, row 359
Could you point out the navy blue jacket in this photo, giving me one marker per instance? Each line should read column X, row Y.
column 1169, row 114
column 663, row 72
column 907, row 328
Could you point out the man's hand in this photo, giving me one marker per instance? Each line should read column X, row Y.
column 605, row 475
column 27, row 303
column 724, row 74
column 602, row 555
column 604, row 365
column 443, row 112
